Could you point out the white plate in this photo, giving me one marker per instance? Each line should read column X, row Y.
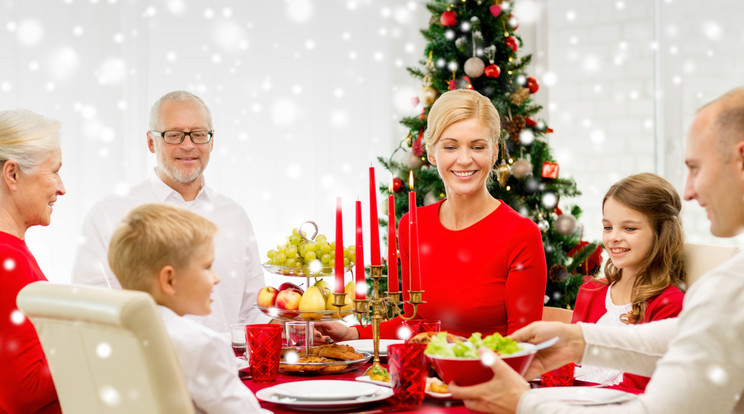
column 366, row 378
column 439, row 395
column 324, row 390
column 584, row 395
column 268, row 395
column 368, row 346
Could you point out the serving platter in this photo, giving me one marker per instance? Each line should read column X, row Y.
column 322, row 368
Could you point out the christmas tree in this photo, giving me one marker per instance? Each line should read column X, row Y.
column 474, row 44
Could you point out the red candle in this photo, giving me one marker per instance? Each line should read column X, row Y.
column 374, row 230
column 339, row 257
column 414, row 273
column 392, row 257
column 359, row 284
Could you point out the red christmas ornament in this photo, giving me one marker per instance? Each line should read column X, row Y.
column 532, row 84
column 422, row 115
column 492, row 71
column 529, row 122
column 550, row 169
column 511, row 43
column 495, row 10
column 468, row 83
column 417, row 147
column 448, row 18
column 397, row 185
column 592, row 262
column 452, row 84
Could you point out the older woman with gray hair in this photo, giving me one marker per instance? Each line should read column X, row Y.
column 30, row 160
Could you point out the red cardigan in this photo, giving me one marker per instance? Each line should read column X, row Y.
column 590, row 306
column 489, row 277
column 26, row 385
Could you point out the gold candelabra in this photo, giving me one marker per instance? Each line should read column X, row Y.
column 378, row 305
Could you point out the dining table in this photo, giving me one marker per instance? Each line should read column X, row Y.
column 431, row 404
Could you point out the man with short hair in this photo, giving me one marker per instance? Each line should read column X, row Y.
column 181, row 136
column 695, row 361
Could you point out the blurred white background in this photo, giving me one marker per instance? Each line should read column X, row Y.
column 306, row 94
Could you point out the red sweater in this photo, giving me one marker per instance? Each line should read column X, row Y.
column 489, row 277
column 25, row 382
column 590, row 306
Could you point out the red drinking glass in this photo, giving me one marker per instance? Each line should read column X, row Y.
column 264, row 343
column 408, row 368
column 560, row 377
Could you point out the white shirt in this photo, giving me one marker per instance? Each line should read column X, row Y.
column 237, row 261
column 602, row 375
column 209, row 370
column 697, row 359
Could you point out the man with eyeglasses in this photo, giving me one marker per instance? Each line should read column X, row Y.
column 181, row 136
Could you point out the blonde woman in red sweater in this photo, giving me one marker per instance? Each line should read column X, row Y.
column 482, row 263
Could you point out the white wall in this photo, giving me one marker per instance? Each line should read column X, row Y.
column 629, row 75
column 305, row 96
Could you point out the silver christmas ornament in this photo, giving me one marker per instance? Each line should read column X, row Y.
column 521, row 168
column 543, row 225
column 414, row 161
column 474, row 67
column 566, row 224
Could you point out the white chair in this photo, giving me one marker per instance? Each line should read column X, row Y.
column 108, row 349
column 701, row 258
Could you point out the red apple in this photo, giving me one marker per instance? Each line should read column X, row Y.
column 291, row 286
column 288, row 299
column 266, row 296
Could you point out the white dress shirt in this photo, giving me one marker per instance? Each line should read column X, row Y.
column 237, row 261
column 209, row 370
column 697, row 359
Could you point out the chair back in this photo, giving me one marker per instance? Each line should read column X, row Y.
column 551, row 313
column 108, row 350
column 701, row 258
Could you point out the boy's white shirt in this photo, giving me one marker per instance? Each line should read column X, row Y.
column 208, row 365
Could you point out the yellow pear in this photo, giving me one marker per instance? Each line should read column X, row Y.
column 311, row 301
column 346, row 309
column 324, row 289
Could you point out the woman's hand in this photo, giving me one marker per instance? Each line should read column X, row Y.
column 499, row 395
column 328, row 332
column 569, row 348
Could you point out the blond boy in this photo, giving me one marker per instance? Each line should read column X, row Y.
column 168, row 253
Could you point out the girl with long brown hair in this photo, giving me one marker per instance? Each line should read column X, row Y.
column 644, row 275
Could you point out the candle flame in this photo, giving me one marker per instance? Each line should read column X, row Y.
column 410, row 179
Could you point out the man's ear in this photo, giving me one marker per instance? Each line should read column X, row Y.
column 167, row 280
column 11, row 170
column 150, row 142
column 739, row 152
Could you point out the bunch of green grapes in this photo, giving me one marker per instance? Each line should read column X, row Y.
column 316, row 254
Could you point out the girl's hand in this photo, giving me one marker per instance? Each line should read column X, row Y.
column 329, row 332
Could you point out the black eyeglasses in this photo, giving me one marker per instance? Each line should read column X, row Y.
column 199, row 136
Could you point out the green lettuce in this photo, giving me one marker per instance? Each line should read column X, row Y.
column 438, row 346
